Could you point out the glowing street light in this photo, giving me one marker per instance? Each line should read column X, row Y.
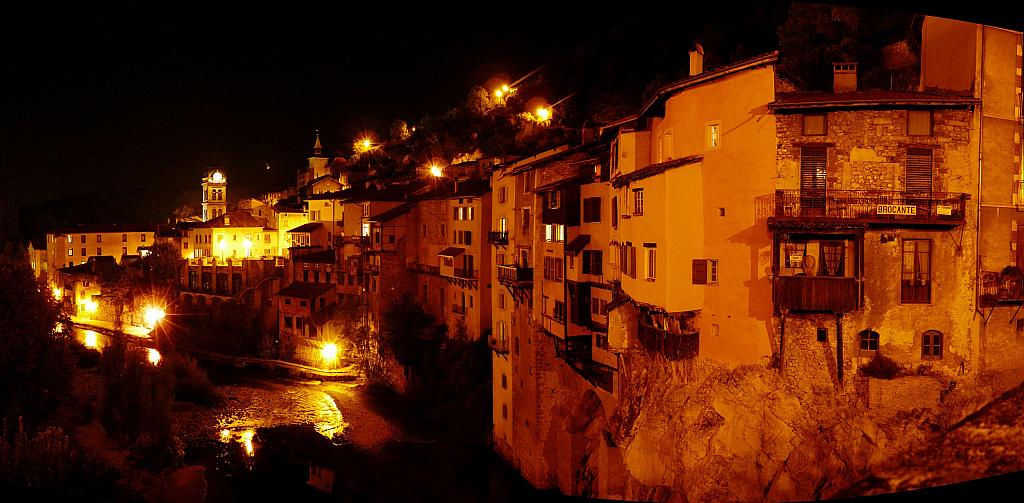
column 364, row 144
column 436, row 171
column 223, row 245
column 152, row 314
column 329, row 352
column 247, row 244
column 57, row 292
column 153, row 356
column 543, row 114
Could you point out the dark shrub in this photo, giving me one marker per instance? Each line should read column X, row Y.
column 881, row 367
column 192, row 383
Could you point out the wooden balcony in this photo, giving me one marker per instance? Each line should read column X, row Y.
column 674, row 345
column 816, row 293
column 498, row 238
column 575, row 348
column 515, row 276
column 869, row 207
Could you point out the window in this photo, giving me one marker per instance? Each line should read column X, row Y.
column 71, row 251
column 919, row 122
column 298, row 322
column 919, row 170
column 794, row 255
column 553, row 268
column 931, row 344
column 468, row 239
column 615, row 212
column 83, row 239
column 99, row 238
column 815, row 124
column 302, row 303
column 813, row 164
column 915, row 281
column 705, row 271
column 124, row 249
column 502, row 196
column 592, row 209
column 469, row 212
column 832, row 261
column 503, row 224
column 559, row 311
column 99, row 251
column 559, row 233
column 526, row 220
column 143, row 238
column 553, row 199
column 638, row 202
column 651, row 263
column 504, row 378
column 822, row 335
column 713, row 136
column 598, row 306
column 504, row 411
column 501, row 301
column 287, row 322
column 868, row 340
column 592, row 262
column 83, row 252
column 287, row 302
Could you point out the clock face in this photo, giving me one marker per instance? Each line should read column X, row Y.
column 217, row 177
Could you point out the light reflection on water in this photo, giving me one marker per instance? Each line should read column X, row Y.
column 90, row 338
column 287, row 407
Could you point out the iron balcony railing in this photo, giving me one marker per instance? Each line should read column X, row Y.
column 1006, row 287
column 872, row 205
column 816, row 294
column 498, row 345
column 515, row 275
column 497, row 237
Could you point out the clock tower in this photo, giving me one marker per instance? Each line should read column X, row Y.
column 215, row 193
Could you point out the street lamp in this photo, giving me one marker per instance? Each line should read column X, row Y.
column 247, row 244
column 436, row 171
column 152, row 315
column 223, row 245
column 543, row 114
column 329, row 352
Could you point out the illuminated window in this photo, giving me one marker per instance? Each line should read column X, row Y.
column 143, row 238
column 124, row 238
column 71, row 251
column 99, row 238
column 714, row 135
column 638, row 202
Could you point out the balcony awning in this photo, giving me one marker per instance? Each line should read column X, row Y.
column 577, row 244
column 451, row 251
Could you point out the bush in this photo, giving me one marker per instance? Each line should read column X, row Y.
column 881, row 367
column 192, row 383
column 88, row 358
column 44, row 465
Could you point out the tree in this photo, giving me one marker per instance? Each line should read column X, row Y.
column 161, row 266
column 35, row 359
column 399, row 130
column 409, row 332
column 816, row 35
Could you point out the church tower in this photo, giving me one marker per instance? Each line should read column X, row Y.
column 215, row 194
column 318, row 164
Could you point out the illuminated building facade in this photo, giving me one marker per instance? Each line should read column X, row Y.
column 215, row 194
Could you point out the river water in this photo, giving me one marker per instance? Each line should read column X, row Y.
column 293, row 440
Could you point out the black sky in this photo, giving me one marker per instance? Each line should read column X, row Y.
column 133, row 100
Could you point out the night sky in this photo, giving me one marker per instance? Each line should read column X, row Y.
column 134, row 104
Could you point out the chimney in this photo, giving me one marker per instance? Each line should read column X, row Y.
column 696, row 59
column 844, row 77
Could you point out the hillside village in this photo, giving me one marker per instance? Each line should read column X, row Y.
column 744, row 289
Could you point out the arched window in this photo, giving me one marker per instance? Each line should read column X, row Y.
column 868, row 340
column 931, row 344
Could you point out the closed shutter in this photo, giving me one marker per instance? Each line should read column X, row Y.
column 919, row 170
column 813, row 168
column 700, row 271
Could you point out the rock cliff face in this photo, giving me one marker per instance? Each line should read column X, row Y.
column 693, row 431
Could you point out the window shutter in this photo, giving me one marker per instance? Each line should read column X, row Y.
column 700, row 271
column 813, row 162
column 919, row 170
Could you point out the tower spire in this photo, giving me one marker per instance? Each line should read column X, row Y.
column 316, row 144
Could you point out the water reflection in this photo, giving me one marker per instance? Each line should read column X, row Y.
column 90, row 338
column 286, row 407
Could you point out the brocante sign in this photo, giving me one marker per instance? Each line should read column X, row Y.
column 896, row 209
